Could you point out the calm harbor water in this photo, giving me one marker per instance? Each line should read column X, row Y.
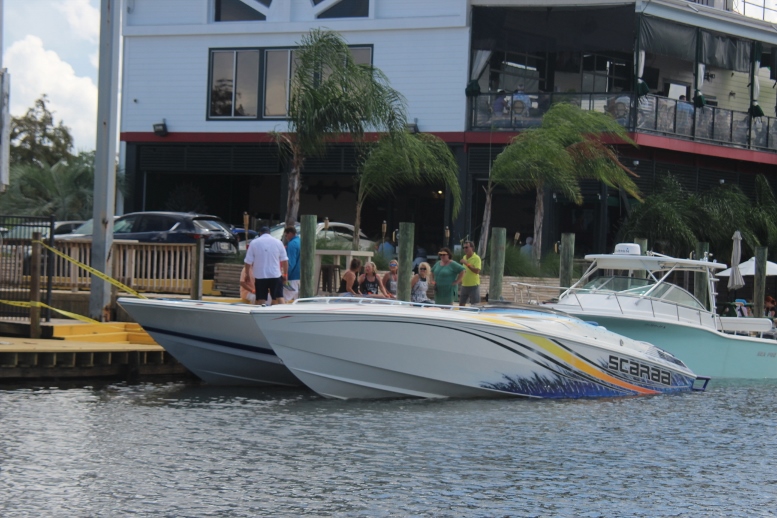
column 183, row 449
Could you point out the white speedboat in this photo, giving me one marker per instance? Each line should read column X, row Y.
column 365, row 348
column 633, row 295
column 218, row 342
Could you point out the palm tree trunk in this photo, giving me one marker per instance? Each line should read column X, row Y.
column 357, row 223
column 486, row 226
column 295, row 183
column 539, row 217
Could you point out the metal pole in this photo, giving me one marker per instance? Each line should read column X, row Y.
column 105, row 158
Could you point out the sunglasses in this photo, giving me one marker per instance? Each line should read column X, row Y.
column 466, row 246
column 392, row 264
column 424, row 269
column 442, row 255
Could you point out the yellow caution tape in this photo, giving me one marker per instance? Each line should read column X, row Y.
column 42, row 305
column 94, row 272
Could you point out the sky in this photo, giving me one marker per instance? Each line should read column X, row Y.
column 51, row 47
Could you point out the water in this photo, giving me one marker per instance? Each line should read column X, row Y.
column 181, row 449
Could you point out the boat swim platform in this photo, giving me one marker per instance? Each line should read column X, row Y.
column 77, row 350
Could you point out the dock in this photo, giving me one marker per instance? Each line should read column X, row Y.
column 73, row 350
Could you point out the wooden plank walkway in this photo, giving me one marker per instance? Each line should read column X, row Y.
column 115, row 350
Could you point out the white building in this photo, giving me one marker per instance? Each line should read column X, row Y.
column 217, row 72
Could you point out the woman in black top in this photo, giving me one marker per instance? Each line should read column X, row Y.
column 348, row 283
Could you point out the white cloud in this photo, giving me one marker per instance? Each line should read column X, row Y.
column 83, row 18
column 36, row 71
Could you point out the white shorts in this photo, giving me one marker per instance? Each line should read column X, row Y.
column 291, row 290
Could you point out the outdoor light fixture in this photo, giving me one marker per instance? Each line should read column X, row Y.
column 636, row 163
column 326, row 223
column 722, row 181
column 412, row 127
column 160, row 128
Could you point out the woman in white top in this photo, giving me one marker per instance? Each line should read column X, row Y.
column 420, row 284
column 390, row 279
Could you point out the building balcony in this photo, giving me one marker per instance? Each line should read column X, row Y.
column 650, row 114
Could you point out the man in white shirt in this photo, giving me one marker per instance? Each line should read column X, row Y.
column 267, row 258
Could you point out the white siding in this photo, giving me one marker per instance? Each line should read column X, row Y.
column 166, row 67
column 165, row 12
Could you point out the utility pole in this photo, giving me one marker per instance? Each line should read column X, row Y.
column 105, row 157
column 5, row 116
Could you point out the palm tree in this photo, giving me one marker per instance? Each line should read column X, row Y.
column 406, row 159
column 331, row 95
column 674, row 221
column 568, row 147
column 64, row 190
column 666, row 218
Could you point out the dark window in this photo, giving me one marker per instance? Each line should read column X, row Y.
column 347, row 9
column 156, row 223
column 237, row 11
column 234, row 83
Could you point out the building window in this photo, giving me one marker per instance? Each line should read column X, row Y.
column 237, row 86
column 279, row 67
column 237, row 11
column 234, row 87
column 345, row 9
column 606, row 73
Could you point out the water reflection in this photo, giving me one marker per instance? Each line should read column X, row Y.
column 181, row 449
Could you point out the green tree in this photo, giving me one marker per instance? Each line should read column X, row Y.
column 35, row 139
column 405, row 159
column 569, row 146
column 673, row 220
column 331, row 95
column 666, row 218
column 64, row 189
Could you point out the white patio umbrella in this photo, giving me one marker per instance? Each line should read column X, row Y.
column 735, row 280
column 748, row 268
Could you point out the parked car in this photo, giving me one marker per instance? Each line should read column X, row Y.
column 172, row 227
column 340, row 234
column 240, row 234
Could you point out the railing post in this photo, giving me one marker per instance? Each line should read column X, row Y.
column 35, row 286
column 198, row 268
column 308, row 282
column 405, row 276
column 700, row 281
column 566, row 266
column 497, row 268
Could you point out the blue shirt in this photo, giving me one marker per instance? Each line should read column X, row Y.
column 293, row 251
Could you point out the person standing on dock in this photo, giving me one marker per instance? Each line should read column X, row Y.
column 470, row 283
column 266, row 256
column 291, row 287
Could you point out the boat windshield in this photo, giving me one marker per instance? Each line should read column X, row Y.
column 636, row 287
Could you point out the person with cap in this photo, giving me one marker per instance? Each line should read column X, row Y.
column 446, row 277
column 266, row 257
column 740, row 308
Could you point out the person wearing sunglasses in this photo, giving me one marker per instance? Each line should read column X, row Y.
column 419, row 284
column 446, row 277
column 470, row 283
column 390, row 279
column 370, row 285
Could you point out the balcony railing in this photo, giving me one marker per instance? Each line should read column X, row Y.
column 654, row 114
